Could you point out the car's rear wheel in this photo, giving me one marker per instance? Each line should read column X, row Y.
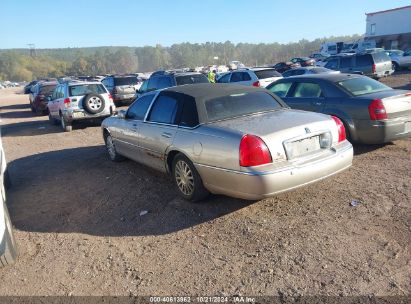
column 8, row 247
column 111, row 149
column 66, row 126
column 188, row 181
column 396, row 66
column 93, row 103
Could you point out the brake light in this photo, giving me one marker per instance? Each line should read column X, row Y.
column 407, row 94
column 377, row 110
column 67, row 102
column 256, row 84
column 341, row 129
column 110, row 97
column 374, row 68
column 253, row 151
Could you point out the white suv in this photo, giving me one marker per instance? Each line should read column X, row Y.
column 258, row 77
column 77, row 100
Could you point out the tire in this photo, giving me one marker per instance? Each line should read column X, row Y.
column 111, row 149
column 52, row 120
column 66, row 126
column 8, row 248
column 187, row 180
column 94, row 103
column 396, row 66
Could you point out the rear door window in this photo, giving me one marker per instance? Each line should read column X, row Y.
column 364, row 60
column 164, row 110
column 281, row 89
column 236, row 77
column 346, row 62
column 246, row 76
column 307, row 90
column 139, row 108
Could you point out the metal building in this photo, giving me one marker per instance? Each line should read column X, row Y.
column 391, row 29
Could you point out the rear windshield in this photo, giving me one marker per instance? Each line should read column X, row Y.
column 263, row 74
column 240, row 104
column 189, row 79
column 47, row 90
column 120, row 81
column 84, row 89
column 363, row 85
column 381, row 57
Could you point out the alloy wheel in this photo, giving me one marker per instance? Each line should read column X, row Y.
column 184, row 178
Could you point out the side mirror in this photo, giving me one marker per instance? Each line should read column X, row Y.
column 121, row 114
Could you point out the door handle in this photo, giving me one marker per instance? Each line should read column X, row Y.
column 166, row 135
column 317, row 103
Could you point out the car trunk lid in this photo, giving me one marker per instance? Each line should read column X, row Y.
column 397, row 103
column 285, row 130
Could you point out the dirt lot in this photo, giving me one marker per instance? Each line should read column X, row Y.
column 79, row 229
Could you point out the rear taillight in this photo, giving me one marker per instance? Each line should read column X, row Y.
column 110, row 97
column 341, row 129
column 253, row 151
column 377, row 110
column 67, row 102
column 374, row 68
column 256, row 84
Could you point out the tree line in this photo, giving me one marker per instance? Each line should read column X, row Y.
column 20, row 65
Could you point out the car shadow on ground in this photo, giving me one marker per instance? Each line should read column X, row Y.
column 15, row 107
column 29, row 128
column 20, row 114
column 363, row 148
column 80, row 190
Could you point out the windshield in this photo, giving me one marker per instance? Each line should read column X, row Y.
column 190, row 79
column 84, row 89
column 268, row 73
column 120, row 81
column 240, row 104
column 363, row 85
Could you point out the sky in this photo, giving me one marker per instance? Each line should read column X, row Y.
column 87, row 23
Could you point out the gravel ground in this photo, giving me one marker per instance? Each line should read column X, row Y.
column 80, row 232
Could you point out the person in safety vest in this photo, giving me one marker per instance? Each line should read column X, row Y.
column 211, row 76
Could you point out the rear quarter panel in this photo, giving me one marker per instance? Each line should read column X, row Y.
column 209, row 146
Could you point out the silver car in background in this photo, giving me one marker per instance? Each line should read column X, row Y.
column 234, row 140
column 79, row 100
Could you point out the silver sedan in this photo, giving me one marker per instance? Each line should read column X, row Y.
column 234, row 140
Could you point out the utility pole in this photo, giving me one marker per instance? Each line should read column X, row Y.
column 32, row 47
